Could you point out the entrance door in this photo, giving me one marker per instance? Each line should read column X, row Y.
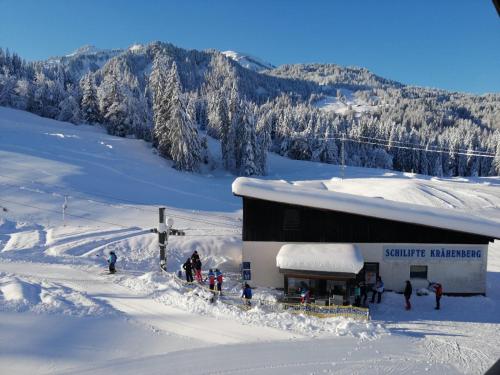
column 370, row 273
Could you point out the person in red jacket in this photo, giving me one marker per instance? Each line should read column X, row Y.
column 220, row 277
column 438, row 291
column 211, row 279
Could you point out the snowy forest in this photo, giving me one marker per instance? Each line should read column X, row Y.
column 176, row 98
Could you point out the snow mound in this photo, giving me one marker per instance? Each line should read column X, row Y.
column 196, row 299
column 21, row 295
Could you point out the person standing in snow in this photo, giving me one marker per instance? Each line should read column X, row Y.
column 211, row 279
column 438, row 291
column 188, row 268
column 112, row 261
column 364, row 294
column 407, row 293
column 305, row 295
column 219, row 277
column 378, row 289
column 197, row 270
column 247, row 294
column 357, row 295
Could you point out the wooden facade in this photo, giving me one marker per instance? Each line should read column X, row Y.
column 273, row 221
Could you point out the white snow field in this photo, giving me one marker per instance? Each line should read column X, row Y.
column 61, row 313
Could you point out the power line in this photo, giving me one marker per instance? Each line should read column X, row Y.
column 106, row 222
column 170, row 213
column 376, row 143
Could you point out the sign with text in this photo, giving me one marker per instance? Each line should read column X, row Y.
column 433, row 253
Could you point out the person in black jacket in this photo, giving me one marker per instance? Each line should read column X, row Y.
column 407, row 293
column 188, row 267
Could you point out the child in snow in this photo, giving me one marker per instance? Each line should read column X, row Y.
column 219, row 277
column 211, row 279
column 438, row 291
column 188, row 267
column 111, row 261
column 305, row 295
column 407, row 293
column 247, row 294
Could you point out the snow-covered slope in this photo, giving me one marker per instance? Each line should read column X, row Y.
column 51, row 271
column 248, row 61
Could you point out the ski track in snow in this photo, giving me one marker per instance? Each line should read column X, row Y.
column 144, row 309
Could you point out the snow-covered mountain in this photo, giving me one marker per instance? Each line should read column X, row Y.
column 83, row 60
column 249, row 61
column 298, row 111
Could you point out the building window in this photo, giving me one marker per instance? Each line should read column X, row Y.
column 291, row 219
column 418, row 272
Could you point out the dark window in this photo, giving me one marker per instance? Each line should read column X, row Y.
column 418, row 272
column 291, row 219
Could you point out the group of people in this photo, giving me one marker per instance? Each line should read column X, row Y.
column 437, row 288
column 361, row 293
column 194, row 264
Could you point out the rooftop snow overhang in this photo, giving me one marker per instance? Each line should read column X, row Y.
column 284, row 192
column 329, row 258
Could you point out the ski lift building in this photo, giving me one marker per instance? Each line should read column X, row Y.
column 329, row 241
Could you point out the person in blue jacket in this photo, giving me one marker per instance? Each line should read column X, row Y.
column 112, row 260
column 247, row 294
column 211, row 279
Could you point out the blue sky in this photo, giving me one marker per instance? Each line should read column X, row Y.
column 453, row 45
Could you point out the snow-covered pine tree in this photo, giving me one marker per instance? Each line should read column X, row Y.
column 89, row 103
column 246, row 157
column 159, row 85
column 185, row 149
column 69, row 109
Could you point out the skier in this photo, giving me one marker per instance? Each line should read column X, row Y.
column 197, row 270
column 219, row 277
column 438, row 291
column 378, row 289
column 188, row 267
column 407, row 293
column 111, row 261
column 211, row 279
column 247, row 294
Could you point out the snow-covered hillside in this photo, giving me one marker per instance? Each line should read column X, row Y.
column 248, row 61
column 140, row 320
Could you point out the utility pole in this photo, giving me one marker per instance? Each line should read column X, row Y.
column 164, row 230
column 64, row 207
column 342, row 152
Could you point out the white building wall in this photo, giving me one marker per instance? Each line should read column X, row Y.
column 457, row 275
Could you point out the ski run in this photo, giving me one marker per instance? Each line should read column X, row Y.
column 61, row 313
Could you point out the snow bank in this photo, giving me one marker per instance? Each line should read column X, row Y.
column 320, row 257
column 20, row 295
column 196, row 300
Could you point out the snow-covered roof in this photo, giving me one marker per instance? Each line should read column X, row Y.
column 284, row 192
column 324, row 257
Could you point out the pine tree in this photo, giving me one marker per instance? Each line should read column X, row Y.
column 246, row 158
column 159, row 84
column 89, row 103
column 185, row 149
